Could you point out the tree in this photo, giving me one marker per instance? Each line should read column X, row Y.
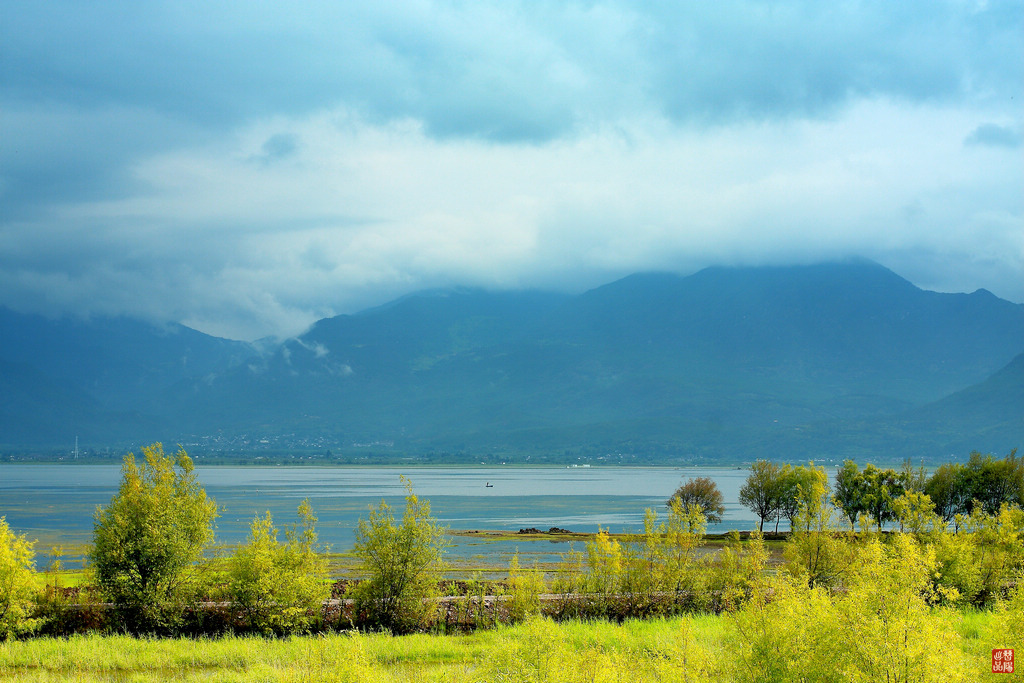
column 914, row 480
column 704, row 493
column 402, row 561
column 280, row 587
column 796, row 484
column 149, row 540
column 991, row 482
column 813, row 550
column 17, row 582
column 881, row 488
column 948, row 491
column 915, row 512
column 849, row 493
column 957, row 490
column 762, row 491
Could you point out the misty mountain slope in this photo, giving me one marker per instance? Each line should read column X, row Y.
column 856, row 324
column 373, row 369
column 988, row 417
column 416, row 331
column 831, row 358
column 123, row 364
column 36, row 411
column 724, row 359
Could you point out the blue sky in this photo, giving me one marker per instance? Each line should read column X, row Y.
column 247, row 168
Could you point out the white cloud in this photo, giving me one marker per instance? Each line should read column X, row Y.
column 247, row 170
column 358, row 212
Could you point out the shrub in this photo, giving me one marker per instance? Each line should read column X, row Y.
column 403, row 561
column 603, row 575
column 525, row 587
column 149, row 540
column 785, row 632
column 891, row 633
column 280, row 587
column 17, row 583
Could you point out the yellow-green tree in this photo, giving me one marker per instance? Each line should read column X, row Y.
column 603, row 574
column 403, row 561
column 18, row 582
column 525, row 587
column 891, row 632
column 149, row 541
column 916, row 512
column 280, row 587
column 815, row 551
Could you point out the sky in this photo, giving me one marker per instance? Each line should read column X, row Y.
column 246, row 168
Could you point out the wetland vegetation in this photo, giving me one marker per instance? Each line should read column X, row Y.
column 904, row 593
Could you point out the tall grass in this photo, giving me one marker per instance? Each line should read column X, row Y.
column 680, row 649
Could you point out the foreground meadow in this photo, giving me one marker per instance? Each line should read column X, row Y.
column 694, row 648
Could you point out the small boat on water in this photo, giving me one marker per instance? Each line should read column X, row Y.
column 489, row 485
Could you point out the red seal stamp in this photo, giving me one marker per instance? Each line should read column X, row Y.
column 1002, row 661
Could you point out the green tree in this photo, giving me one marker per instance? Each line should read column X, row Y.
column 148, row 542
column 762, row 491
column 948, row 491
column 913, row 479
column 849, row 491
column 702, row 492
column 402, row 561
column 880, row 489
column 990, row 482
column 796, row 484
column 280, row 587
column 983, row 482
column 18, row 583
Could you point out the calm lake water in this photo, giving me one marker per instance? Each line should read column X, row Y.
column 54, row 503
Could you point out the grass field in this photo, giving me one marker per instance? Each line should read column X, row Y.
column 694, row 648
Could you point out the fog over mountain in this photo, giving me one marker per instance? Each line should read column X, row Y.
column 729, row 364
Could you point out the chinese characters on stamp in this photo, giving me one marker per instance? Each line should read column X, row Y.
column 1002, row 661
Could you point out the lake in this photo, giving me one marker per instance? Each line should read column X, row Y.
column 54, row 503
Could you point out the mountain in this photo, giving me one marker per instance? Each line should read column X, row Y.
column 723, row 362
column 988, row 416
column 728, row 364
column 100, row 378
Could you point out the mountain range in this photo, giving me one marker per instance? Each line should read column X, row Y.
column 727, row 365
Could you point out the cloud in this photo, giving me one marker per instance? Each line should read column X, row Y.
column 994, row 135
column 248, row 169
column 278, row 147
column 360, row 212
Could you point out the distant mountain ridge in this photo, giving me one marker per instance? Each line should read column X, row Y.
column 723, row 365
column 101, row 378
